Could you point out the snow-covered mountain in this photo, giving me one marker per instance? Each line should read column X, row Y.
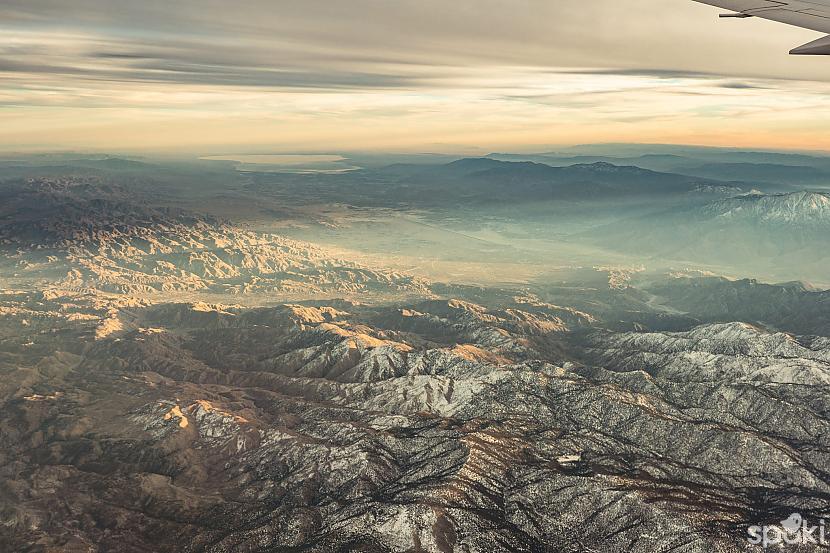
column 438, row 426
column 784, row 235
column 179, row 383
column 797, row 208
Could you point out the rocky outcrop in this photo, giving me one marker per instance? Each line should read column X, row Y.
column 116, row 243
column 223, row 429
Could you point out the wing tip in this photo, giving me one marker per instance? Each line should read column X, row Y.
column 820, row 47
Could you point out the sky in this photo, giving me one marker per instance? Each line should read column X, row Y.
column 272, row 76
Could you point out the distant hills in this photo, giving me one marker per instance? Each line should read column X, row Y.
column 754, row 229
column 769, row 168
column 759, row 173
column 797, row 209
column 791, row 307
column 85, row 235
column 492, row 180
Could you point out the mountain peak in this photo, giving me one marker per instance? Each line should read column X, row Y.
column 795, row 207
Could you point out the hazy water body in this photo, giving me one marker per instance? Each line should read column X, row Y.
column 291, row 163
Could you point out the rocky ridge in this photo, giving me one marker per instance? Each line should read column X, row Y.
column 439, row 426
column 616, row 416
column 102, row 239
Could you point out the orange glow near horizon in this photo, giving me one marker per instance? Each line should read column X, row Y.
column 521, row 109
column 406, row 76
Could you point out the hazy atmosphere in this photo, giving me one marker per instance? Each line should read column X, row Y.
column 472, row 74
column 399, row 276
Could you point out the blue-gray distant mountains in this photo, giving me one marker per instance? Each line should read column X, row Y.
column 768, row 168
column 754, row 228
column 489, row 180
column 783, row 169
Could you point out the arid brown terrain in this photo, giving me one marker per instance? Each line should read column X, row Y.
column 177, row 382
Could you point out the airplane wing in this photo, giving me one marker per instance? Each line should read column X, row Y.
column 809, row 14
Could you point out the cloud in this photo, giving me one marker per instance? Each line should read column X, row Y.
column 744, row 86
column 119, row 72
column 252, row 40
column 176, row 61
column 646, row 72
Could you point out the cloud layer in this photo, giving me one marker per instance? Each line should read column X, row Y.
column 93, row 67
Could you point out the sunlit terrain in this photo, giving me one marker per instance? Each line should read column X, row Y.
column 449, row 355
column 414, row 276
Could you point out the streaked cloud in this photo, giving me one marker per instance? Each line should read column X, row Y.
column 97, row 73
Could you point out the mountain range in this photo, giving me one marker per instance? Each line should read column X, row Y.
column 179, row 374
column 80, row 234
column 490, row 180
column 752, row 230
column 439, row 425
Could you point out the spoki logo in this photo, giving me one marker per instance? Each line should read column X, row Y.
column 795, row 530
